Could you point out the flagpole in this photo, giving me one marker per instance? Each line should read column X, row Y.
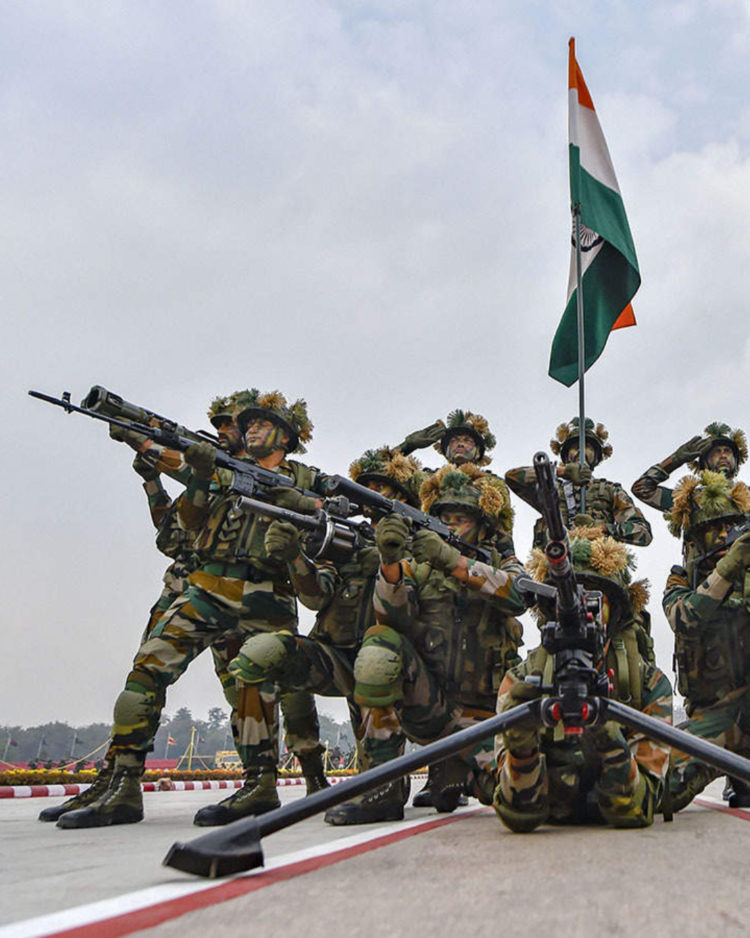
column 581, row 352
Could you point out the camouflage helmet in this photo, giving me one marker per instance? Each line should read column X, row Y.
column 390, row 466
column 475, row 425
column 720, row 433
column 467, row 487
column 600, row 563
column 567, row 435
column 274, row 406
column 227, row 408
column 703, row 499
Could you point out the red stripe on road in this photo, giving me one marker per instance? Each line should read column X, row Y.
column 153, row 915
column 725, row 809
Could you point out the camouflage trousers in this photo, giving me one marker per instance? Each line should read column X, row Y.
column 726, row 723
column 570, row 782
column 394, row 685
column 222, row 619
column 309, row 664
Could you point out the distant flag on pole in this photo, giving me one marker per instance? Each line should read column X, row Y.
column 171, row 741
column 610, row 275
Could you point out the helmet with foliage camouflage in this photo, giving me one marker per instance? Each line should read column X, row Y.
column 464, row 421
column 720, row 433
column 705, row 499
column 227, row 408
column 567, row 435
column 274, row 406
column 468, row 488
column 600, row 563
column 389, row 466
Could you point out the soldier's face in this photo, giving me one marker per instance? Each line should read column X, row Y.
column 464, row 525
column 715, row 535
column 461, row 448
column 264, row 436
column 386, row 490
column 721, row 458
column 571, row 455
column 230, row 436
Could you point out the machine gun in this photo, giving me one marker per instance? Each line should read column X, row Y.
column 363, row 497
column 578, row 697
column 329, row 534
column 247, row 478
column 102, row 401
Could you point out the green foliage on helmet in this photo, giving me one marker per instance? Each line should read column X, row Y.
column 274, row 406
column 567, row 434
column 720, row 433
column 467, row 487
column 391, row 467
column 706, row 498
column 475, row 426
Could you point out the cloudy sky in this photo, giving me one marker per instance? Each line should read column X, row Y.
column 360, row 203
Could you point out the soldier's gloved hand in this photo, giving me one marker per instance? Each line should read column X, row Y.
column 391, row 535
column 524, row 735
column 607, row 736
column 583, row 521
column 421, row 439
column 292, row 500
column 201, row 457
column 695, row 447
column 430, row 548
column 144, row 468
column 733, row 564
column 576, row 473
column 282, row 541
column 121, row 435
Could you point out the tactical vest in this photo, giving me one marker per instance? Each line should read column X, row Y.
column 231, row 535
column 348, row 615
column 714, row 660
column 171, row 540
column 466, row 641
column 598, row 506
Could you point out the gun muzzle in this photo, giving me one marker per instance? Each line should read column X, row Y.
column 102, row 401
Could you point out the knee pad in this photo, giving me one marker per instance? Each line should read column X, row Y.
column 262, row 657
column 378, row 670
column 133, row 710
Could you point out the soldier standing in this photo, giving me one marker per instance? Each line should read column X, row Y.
column 607, row 774
column 235, row 587
column 707, row 603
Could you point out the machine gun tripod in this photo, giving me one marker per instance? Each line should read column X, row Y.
column 577, row 697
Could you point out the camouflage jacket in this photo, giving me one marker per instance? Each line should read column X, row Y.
column 465, row 633
column 341, row 594
column 652, row 758
column 648, row 488
column 606, row 502
column 711, row 625
column 222, row 533
column 170, row 462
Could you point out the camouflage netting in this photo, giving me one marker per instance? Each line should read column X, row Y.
column 718, row 433
column 404, row 473
column 567, row 435
column 274, row 406
column 709, row 496
column 468, row 487
column 475, row 425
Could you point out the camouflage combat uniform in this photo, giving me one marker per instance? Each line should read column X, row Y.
column 607, row 773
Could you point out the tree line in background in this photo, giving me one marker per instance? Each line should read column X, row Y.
column 52, row 744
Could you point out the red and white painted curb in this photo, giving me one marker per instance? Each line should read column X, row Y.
column 58, row 791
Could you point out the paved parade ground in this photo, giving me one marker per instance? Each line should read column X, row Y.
column 429, row 874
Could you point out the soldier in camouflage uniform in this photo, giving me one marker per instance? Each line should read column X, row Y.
column 608, row 505
column 720, row 449
column 707, row 603
column 445, row 634
column 235, row 588
column 608, row 773
column 341, row 594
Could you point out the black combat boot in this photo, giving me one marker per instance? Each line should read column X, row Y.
column 423, row 798
column 385, row 803
column 740, row 796
column 81, row 800
column 257, row 796
column 121, row 803
column 312, row 769
column 449, row 783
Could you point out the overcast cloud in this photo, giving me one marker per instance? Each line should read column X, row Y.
column 363, row 204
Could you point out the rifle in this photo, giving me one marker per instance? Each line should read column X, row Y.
column 330, row 534
column 578, row 697
column 247, row 478
column 102, row 401
column 363, row 497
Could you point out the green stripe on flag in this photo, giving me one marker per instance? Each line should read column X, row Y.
column 608, row 286
column 603, row 211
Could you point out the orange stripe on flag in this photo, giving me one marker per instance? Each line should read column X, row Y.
column 575, row 78
column 626, row 318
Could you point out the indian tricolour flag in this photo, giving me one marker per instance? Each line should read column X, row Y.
column 609, row 267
